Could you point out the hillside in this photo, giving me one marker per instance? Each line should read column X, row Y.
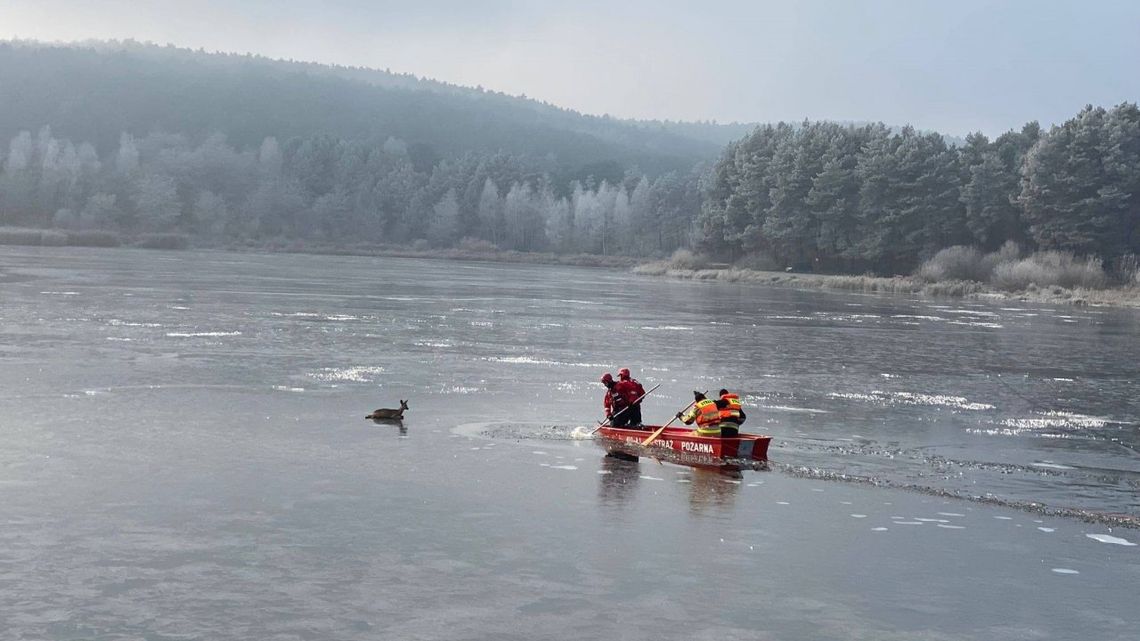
column 95, row 92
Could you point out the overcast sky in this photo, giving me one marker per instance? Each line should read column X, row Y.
column 952, row 65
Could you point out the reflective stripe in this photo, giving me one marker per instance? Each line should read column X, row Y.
column 732, row 412
column 708, row 431
column 707, row 414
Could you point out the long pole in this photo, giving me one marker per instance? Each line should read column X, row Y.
column 660, row 430
column 610, row 418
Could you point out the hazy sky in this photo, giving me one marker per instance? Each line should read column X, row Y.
column 950, row 65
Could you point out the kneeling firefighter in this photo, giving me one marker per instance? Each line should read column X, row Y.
column 721, row 417
column 706, row 415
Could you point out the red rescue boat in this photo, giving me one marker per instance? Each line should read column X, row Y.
column 683, row 441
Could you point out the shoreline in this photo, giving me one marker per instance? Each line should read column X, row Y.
column 499, row 256
column 27, row 237
column 1124, row 297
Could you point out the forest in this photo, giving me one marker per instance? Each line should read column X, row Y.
column 227, row 150
column 840, row 198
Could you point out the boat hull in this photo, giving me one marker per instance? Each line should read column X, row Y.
column 683, row 441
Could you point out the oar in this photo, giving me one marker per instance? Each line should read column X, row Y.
column 660, row 430
column 602, row 424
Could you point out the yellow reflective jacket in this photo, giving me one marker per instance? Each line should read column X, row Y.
column 705, row 413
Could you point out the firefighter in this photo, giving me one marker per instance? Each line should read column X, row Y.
column 632, row 390
column 706, row 414
column 614, row 402
column 731, row 414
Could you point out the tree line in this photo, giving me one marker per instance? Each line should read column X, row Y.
column 817, row 195
column 337, row 191
column 841, row 198
column 238, row 149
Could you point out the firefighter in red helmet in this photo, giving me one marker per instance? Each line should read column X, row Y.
column 632, row 391
column 614, row 402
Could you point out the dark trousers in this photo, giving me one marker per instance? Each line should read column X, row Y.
column 729, row 430
column 620, row 418
column 633, row 414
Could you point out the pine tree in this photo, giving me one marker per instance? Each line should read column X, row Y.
column 834, row 197
column 1072, row 199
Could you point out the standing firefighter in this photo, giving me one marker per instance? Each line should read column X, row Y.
column 614, row 402
column 632, row 390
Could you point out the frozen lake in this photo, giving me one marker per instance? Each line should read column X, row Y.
column 183, row 455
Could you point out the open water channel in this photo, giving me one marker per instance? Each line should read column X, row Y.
column 183, row 455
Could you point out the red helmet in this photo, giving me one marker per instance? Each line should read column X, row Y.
column 607, row 378
column 623, row 373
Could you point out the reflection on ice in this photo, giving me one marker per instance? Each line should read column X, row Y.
column 1108, row 538
column 978, row 324
column 200, row 334
column 529, row 360
column 115, row 322
column 354, row 374
column 1058, row 420
column 1053, row 420
column 913, row 398
column 1055, row 466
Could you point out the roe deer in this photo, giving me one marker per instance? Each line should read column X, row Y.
column 387, row 414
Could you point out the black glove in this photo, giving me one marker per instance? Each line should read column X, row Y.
column 679, row 415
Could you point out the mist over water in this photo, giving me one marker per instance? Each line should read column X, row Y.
column 185, row 456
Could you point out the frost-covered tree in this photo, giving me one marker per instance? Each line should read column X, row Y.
column 210, row 214
column 101, row 212
column 491, row 217
column 156, row 202
column 127, row 158
column 443, row 230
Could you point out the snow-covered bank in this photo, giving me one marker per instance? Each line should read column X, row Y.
column 1116, row 296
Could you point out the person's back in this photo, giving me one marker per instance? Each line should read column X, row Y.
column 706, row 415
column 632, row 391
column 730, row 413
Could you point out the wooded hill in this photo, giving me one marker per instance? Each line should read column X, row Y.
column 96, row 92
column 126, row 138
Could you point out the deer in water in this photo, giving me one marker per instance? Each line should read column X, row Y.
column 388, row 414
